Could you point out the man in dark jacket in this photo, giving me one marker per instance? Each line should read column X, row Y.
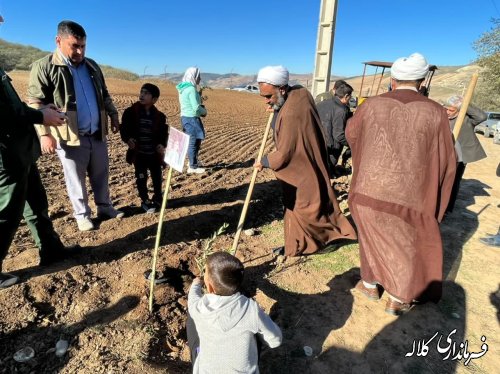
column 334, row 113
column 20, row 184
column 467, row 145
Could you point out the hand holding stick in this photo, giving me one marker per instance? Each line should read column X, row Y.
column 465, row 105
column 250, row 188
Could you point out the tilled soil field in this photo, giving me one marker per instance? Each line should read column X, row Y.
column 97, row 300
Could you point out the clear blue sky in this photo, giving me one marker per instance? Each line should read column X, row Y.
column 222, row 36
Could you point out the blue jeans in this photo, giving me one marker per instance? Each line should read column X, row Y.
column 194, row 128
column 193, row 149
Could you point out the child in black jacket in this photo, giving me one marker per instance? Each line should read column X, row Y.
column 144, row 128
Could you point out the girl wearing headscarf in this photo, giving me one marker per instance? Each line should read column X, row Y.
column 191, row 111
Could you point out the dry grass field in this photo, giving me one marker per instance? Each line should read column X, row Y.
column 98, row 299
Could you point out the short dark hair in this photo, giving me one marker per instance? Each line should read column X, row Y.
column 152, row 89
column 338, row 83
column 66, row 28
column 343, row 89
column 225, row 272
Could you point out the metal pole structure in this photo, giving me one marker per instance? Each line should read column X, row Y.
column 380, row 80
column 324, row 47
column 144, row 72
column 165, row 71
column 374, row 76
column 362, row 81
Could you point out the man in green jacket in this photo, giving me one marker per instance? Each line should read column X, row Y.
column 75, row 83
column 20, row 184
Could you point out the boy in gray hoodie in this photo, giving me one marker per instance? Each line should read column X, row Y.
column 222, row 338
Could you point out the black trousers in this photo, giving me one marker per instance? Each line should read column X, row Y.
column 456, row 186
column 142, row 164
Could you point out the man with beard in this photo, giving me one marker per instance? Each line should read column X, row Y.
column 312, row 216
column 404, row 164
column 76, row 83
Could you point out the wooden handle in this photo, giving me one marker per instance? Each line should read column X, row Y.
column 250, row 188
column 465, row 105
column 157, row 242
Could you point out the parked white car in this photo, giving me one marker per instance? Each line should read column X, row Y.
column 488, row 127
column 248, row 88
column 496, row 133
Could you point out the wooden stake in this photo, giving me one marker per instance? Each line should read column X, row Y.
column 152, row 275
column 465, row 105
column 250, row 188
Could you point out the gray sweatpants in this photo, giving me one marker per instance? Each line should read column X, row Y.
column 91, row 157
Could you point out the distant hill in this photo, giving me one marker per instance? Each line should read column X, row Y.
column 20, row 57
column 236, row 80
column 447, row 81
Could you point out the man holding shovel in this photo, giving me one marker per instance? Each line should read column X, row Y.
column 312, row 214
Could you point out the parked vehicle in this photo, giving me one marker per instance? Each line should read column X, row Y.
column 487, row 128
column 496, row 134
column 248, row 88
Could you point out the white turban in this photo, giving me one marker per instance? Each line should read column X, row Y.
column 275, row 75
column 410, row 68
column 191, row 75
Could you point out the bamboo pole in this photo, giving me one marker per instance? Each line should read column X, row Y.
column 465, row 105
column 152, row 275
column 250, row 188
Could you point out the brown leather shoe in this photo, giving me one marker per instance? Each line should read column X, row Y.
column 396, row 308
column 371, row 293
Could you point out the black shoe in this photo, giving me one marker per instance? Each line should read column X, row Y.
column 280, row 251
column 148, row 206
column 47, row 259
column 157, row 204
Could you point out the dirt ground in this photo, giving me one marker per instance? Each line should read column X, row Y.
column 97, row 300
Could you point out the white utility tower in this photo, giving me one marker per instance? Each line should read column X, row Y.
column 324, row 47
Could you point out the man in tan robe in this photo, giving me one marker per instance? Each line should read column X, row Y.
column 404, row 164
column 312, row 215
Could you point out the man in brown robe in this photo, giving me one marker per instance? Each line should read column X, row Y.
column 404, row 165
column 312, row 215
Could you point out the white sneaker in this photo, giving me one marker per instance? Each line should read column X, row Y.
column 85, row 224
column 197, row 170
column 7, row 280
column 109, row 212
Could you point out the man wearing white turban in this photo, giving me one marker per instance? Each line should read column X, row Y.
column 404, row 165
column 312, row 214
